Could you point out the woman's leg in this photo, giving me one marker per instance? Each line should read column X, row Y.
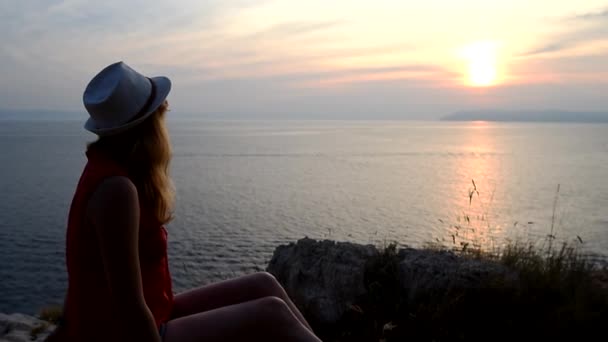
column 230, row 292
column 262, row 319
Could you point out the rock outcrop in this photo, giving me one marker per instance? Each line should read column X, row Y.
column 322, row 277
column 20, row 328
column 325, row 278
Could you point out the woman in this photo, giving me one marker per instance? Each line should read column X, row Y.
column 119, row 284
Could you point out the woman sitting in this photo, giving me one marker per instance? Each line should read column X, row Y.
column 119, row 286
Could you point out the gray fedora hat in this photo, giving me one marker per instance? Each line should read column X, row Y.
column 119, row 98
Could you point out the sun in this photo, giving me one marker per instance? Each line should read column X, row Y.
column 482, row 63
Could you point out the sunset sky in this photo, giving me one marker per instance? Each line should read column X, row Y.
column 314, row 58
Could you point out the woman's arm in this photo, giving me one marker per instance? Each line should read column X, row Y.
column 114, row 212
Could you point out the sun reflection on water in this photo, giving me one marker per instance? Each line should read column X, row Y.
column 472, row 221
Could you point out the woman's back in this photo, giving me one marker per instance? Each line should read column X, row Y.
column 88, row 311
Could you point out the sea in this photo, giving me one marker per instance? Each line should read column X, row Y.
column 245, row 187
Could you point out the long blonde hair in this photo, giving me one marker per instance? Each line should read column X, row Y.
column 145, row 151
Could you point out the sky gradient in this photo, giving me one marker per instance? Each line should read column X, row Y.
column 383, row 59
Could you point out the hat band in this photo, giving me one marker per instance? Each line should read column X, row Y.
column 148, row 103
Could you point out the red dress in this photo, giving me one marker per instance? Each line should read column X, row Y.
column 88, row 314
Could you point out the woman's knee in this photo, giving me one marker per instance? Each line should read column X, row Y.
column 274, row 309
column 266, row 283
column 276, row 316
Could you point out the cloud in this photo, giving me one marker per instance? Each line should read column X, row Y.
column 582, row 29
column 68, row 40
column 58, row 45
column 212, row 55
column 361, row 74
column 299, row 70
column 290, row 29
column 552, row 47
column 581, row 70
column 422, row 75
column 602, row 14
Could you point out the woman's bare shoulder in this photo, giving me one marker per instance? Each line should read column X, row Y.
column 114, row 195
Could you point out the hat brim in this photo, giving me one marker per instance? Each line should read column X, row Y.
column 163, row 87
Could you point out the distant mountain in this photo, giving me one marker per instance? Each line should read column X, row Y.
column 50, row 115
column 528, row 116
